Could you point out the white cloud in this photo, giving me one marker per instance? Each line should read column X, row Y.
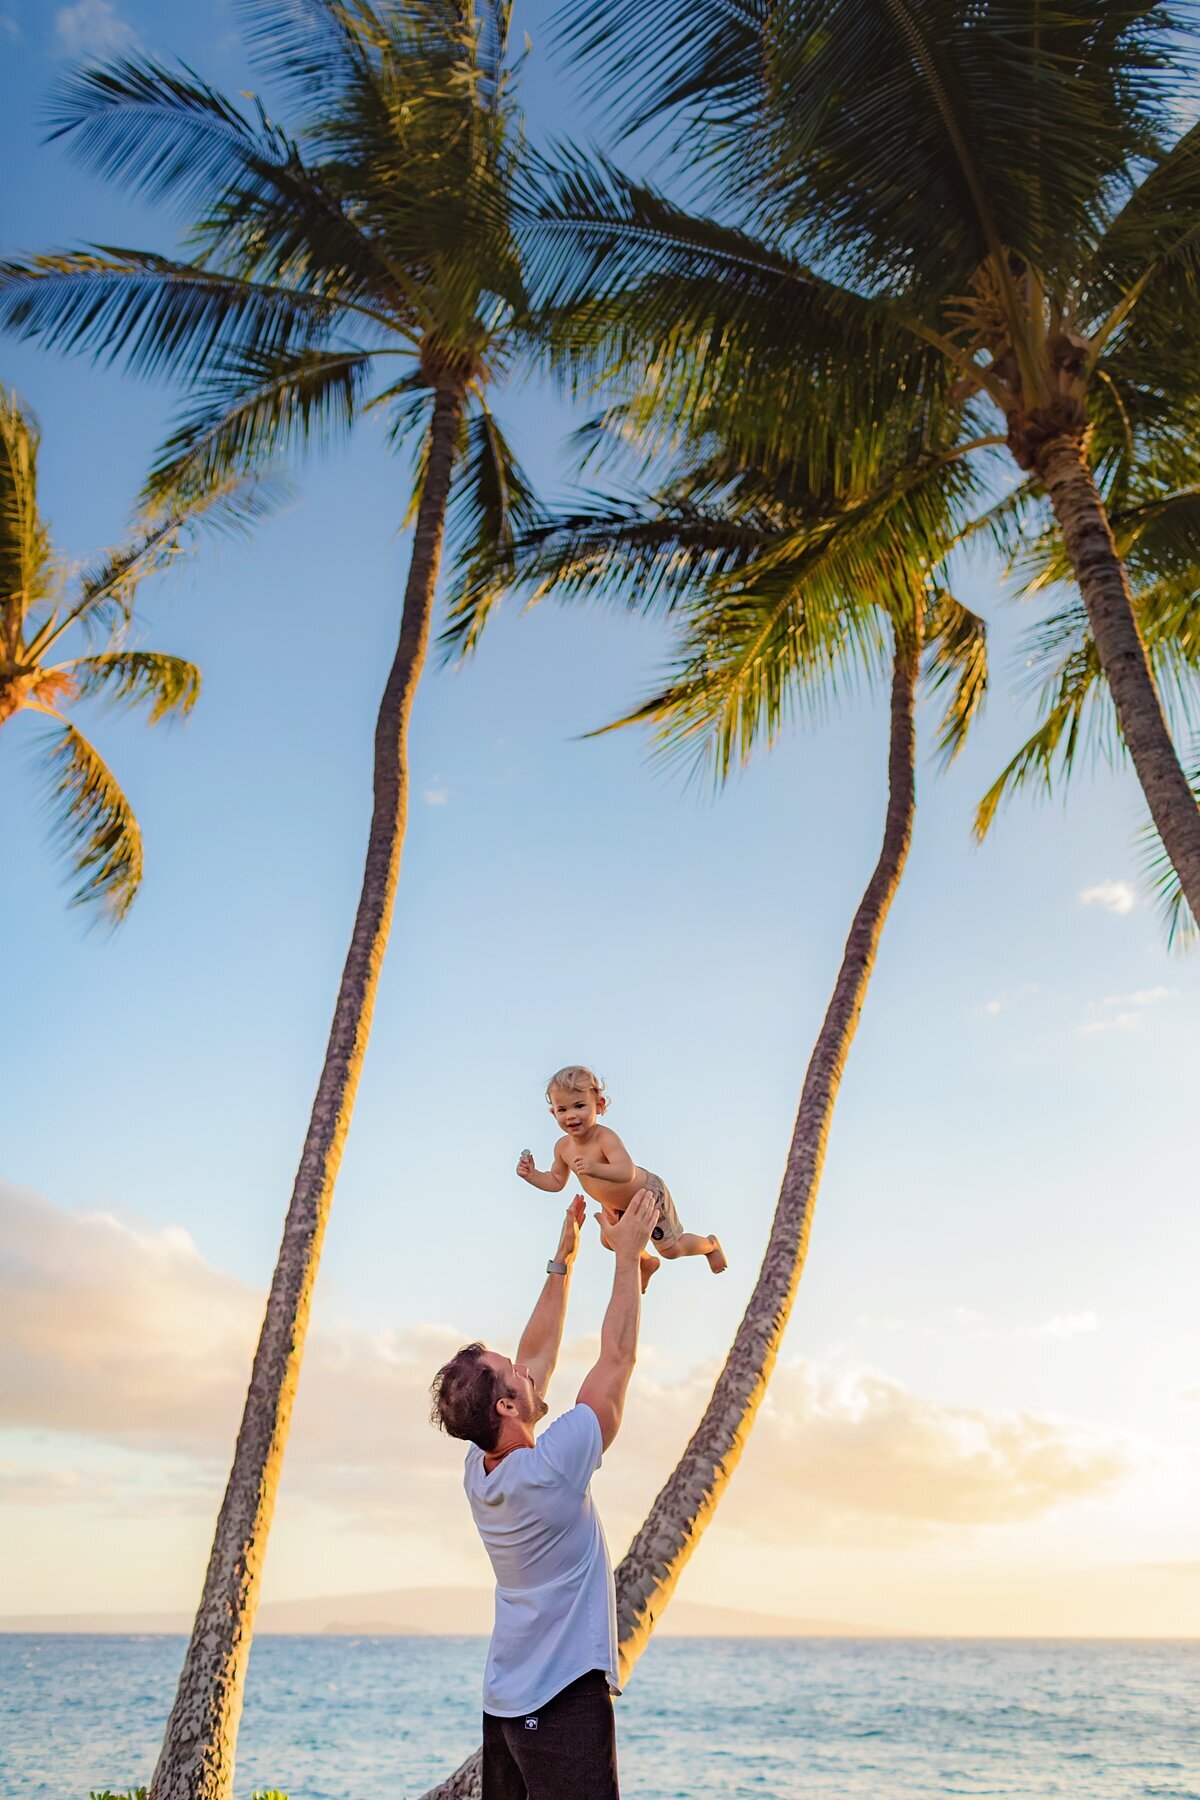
column 126, row 1336
column 436, row 796
column 1123, row 1021
column 41, row 1487
column 853, row 1456
column 1125, row 1010
column 1004, row 1002
column 93, row 28
column 1114, row 896
column 1067, row 1325
column 11, row 27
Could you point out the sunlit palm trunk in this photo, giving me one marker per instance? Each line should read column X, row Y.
column 197, row 1758
column 1104, row 588
column 656, row 1558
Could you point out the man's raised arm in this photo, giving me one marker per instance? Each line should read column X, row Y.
column 537, row 1352
column 604, row 1388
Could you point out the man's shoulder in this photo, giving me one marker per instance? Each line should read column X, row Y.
column 577, row 1418
column 571, row 1447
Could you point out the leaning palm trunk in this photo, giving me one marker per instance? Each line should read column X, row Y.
column 1104, row 588
column 656, row 1558
column 197, row 1757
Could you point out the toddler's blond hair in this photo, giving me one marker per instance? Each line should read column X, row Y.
column 575, row 1079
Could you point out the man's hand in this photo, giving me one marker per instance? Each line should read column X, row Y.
column 538, row 1350
column 631, row 1232
column 568, row 1243
column 525, row 1164
column 604, row 1388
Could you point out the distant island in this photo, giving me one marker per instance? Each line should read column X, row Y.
column 428, row 1612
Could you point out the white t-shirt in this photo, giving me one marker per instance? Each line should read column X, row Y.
column 556, row 1607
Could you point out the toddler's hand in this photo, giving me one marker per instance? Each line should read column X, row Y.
column 525, row 1164
column 580, row 1164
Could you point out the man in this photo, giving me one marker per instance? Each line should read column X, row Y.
column 552, row 1664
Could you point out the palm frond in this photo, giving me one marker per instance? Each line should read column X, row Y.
column 1162, row 879
column 620, row 272
column 1147, row 263
column 92, row 824
column 265, row 214
column 158, row 315
column 1069, row 727
column 253, row 408
column 313, row 48
column 164, row 133
column 957, row 665
column 671, row 58
column 916, row 137
column 651, row 556
column 26, row 564
column 749, row 667
column 106, row 588
column 167, row 685
column 492, row 505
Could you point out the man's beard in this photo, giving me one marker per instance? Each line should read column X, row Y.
column 540, row 1408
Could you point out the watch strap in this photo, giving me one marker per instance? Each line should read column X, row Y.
column 556, row 1268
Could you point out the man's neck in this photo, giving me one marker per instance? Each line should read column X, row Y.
column 514, row 1435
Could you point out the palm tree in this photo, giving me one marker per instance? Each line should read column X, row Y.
column 997, row 190
column 1157, row 533
column 364, row 262
column 781, row 590
column 65, row 638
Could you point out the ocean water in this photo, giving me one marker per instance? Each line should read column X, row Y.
column 332, row 1718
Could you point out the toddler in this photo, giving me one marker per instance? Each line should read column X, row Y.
column 606, row 1171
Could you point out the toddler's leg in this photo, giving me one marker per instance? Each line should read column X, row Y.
column 689, row 1244
column 647, row 1266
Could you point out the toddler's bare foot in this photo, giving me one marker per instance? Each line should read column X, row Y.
column 649, row 1265
column 716, row 1256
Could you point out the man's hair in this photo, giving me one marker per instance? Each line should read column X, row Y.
column 576, row 1079
column 465, row 1391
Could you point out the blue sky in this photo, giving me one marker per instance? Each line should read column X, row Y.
column 1006, row 1230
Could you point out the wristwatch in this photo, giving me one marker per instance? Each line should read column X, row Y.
column 556, row 1268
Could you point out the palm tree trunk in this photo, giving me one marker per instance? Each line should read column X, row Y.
column 197, row 1757
column 1063, row 466
column 656, row 1558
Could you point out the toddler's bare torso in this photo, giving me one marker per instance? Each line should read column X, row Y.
column 616, row 1195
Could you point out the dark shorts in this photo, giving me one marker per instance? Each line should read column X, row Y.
column 567, row 1750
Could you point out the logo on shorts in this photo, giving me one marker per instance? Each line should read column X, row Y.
column 531, row 1724
column 657, row 1233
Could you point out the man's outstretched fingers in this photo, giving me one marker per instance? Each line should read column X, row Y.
column 632, row 1230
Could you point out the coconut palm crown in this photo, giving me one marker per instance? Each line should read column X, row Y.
column 362, row 262
column 997, row 199
column 66, row 636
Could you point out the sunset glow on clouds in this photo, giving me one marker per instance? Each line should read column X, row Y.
column 123, row 1341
